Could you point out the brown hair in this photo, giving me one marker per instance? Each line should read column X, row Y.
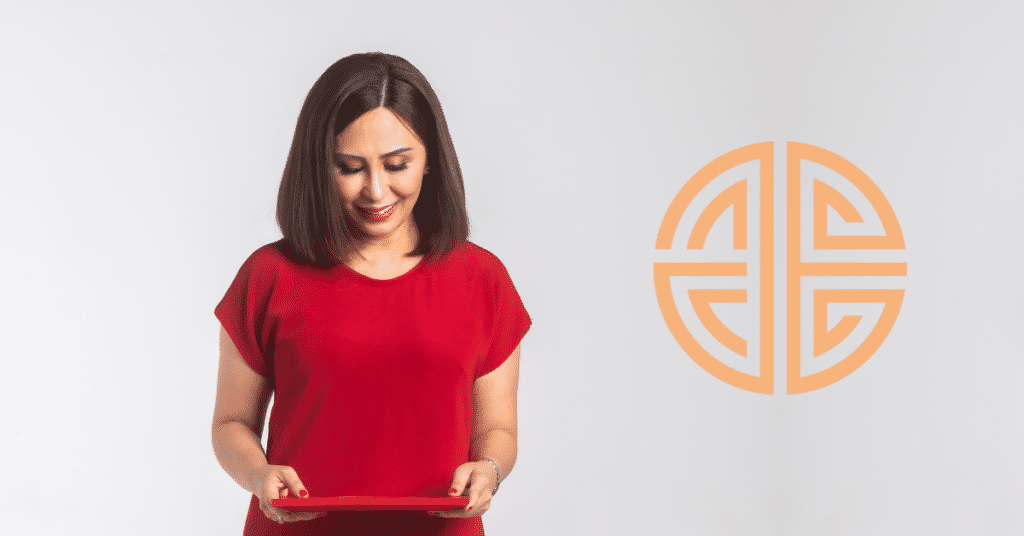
column 309, row 203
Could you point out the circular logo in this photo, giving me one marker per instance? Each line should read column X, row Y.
column 820, row 269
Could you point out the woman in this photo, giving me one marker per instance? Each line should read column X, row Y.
column 390, row 342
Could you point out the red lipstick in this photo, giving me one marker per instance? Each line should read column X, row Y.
column 377, row 215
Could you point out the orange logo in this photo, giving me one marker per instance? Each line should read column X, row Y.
column 832, row 353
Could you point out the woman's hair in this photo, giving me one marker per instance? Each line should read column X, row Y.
column 310, row 212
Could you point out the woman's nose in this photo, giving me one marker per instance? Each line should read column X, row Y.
column 376, row 184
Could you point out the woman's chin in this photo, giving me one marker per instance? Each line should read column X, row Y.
column 383, row 231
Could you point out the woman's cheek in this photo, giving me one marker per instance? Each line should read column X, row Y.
column 349, row 190
column 412, row 183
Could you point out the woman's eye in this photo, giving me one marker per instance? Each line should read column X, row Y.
column 345, row 170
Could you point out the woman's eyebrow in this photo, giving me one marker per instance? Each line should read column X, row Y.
column 392, row 153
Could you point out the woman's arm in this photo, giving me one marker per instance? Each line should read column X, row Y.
column 495, row 427
column 242, row 400
column 494, row 436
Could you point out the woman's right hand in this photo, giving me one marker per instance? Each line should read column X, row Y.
column 280, row 482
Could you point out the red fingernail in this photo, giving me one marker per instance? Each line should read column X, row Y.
column 468, row 509
column 453, row 490
column 303, row 492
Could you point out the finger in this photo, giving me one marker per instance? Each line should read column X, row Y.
column 280, row 513
column 272, row 489
column 461, row 480
column 305, row 516
column 292, row 483
column 274, row 514
column 276, row 489
column 482, row 506
column 477, row 491
column 458, row 512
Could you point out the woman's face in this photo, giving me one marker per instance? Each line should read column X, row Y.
column 379, row 164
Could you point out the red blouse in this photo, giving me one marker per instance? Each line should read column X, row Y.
column 372, row 378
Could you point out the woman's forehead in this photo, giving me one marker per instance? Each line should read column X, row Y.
column 377, row 133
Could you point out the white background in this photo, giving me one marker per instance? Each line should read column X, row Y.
column 141, row 147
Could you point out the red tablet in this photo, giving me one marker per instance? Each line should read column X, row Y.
column 323, row 504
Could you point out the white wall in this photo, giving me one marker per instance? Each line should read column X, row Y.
column 141, row 147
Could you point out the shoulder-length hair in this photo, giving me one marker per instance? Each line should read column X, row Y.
column 309, row 203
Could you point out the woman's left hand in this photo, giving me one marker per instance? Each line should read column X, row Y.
column 475, row 480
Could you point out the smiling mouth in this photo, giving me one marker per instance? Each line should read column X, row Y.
column 380, row 214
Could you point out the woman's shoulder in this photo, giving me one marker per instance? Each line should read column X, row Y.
column 476, row 261
column 268, row 255
column 474, row 255
column 271, row 260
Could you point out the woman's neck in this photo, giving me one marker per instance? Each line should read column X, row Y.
column 388, row 249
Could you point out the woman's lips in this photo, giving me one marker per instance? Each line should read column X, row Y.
column 377, row 215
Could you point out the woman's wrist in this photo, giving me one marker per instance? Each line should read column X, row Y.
column 257, row 475
column 497, row 449
column 239, row 452
column 497, row 473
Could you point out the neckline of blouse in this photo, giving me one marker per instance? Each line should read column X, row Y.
column 375, row 281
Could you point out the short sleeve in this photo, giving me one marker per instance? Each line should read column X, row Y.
column 511, row 321
column 243, row 312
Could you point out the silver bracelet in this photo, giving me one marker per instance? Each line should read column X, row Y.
column 498, row 471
